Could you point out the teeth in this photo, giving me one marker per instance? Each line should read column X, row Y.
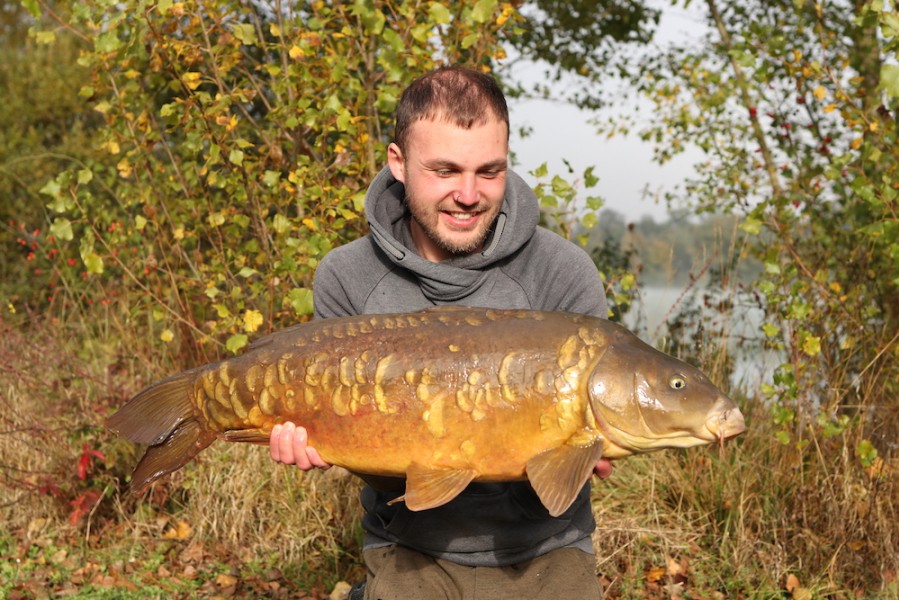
column 462, row 216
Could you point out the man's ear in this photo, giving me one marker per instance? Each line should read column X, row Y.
column 396, row 162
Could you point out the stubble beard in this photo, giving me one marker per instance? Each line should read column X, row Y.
column 454, row 248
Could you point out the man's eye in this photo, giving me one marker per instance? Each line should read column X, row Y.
column 490, row 174
column 444, row 172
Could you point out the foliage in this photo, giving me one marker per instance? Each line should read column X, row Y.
column 581, row 41
column 236, row 144
column 44, row 128
column 564, row 211
column 793, row 105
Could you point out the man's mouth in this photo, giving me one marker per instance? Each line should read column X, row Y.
column 461, row 219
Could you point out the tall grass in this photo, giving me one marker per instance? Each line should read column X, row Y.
column 728, row 522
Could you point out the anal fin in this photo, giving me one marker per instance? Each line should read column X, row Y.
column 558, row 474
column 429, row 487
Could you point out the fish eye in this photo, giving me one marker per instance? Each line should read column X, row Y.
column 677, row 382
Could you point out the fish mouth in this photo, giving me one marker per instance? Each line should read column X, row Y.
column 727, row 423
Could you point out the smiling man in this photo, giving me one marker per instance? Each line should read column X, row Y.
column 451, row 224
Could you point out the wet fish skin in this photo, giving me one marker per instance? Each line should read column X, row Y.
column 441, row 397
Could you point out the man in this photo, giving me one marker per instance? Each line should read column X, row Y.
column 450, row 224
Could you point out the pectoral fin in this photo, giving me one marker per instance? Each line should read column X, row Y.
column 427, row 487
column 557, row 475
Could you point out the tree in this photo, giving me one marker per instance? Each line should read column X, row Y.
column 236, row 145
column 794, row 105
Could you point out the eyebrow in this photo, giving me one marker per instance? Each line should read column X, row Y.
column 442, row 163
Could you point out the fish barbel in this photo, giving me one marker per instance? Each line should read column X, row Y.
column 441, row 397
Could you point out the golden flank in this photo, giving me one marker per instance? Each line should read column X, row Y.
column 441, row 397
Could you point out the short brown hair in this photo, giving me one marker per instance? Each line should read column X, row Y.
column 459, row 95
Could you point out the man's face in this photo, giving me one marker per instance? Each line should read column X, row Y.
column 455, row 181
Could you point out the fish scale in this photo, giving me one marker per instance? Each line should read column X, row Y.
column 440, row 397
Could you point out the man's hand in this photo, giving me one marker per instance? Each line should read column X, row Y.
column 603, row 468
column 287, row 444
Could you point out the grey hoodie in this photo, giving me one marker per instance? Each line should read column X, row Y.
column 521, row 266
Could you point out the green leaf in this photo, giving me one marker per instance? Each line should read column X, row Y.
column 236, row 342
column 107, row 42
column 541, row 171
column 236, row 157
column 889, row 77
column 93, row 262
column 866, row 452
column 85, row 176
column 245, row 32
column 247, row 272
column 483, row 10
column 751, row 225
column 280, row 223
column 62, row 229
column 439, row 14
column 470, row 40
column 32, row 7
column 271, row 178
column 301, row 300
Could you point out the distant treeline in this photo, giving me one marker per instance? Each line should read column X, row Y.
column 676, row 251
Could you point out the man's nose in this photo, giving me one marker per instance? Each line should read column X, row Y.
column 467, row 194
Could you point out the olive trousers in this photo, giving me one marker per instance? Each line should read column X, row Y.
column 397, row 573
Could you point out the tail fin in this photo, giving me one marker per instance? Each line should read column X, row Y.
column 163, row 417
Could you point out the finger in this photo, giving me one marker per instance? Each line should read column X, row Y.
column 603, row 468
column 273, row 443
column 316, row 459
column 299, row 449
column 285, row 444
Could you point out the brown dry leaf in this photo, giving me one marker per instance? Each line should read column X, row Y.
column 802, row 593
column 655, row 574
column 792, row 582
column 225, row 580
column 676, row 567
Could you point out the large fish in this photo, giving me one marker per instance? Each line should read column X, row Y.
column 441, row 397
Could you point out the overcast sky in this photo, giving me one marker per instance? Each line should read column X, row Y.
column 623, row 164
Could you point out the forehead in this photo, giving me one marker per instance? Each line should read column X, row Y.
column 442, row 136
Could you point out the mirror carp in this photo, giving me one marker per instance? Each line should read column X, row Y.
column 441, row 397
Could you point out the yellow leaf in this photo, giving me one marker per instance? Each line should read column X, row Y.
column 820, row 92
column 191, row 79
column 812, row 345
column 856, row 143
column 655, row 574
column 310, row 224
column 830, row 108
column 252, row 319
column 296, row 52
column 166, row 335
column 181, row 531
column 872, row 126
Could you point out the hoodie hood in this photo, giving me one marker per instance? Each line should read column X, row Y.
column 456, row 278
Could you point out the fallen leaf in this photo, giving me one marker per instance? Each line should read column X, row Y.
column 655, row 574
column 181, row 531
column 792, row 582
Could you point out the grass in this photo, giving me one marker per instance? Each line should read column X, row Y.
column 756, row 519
